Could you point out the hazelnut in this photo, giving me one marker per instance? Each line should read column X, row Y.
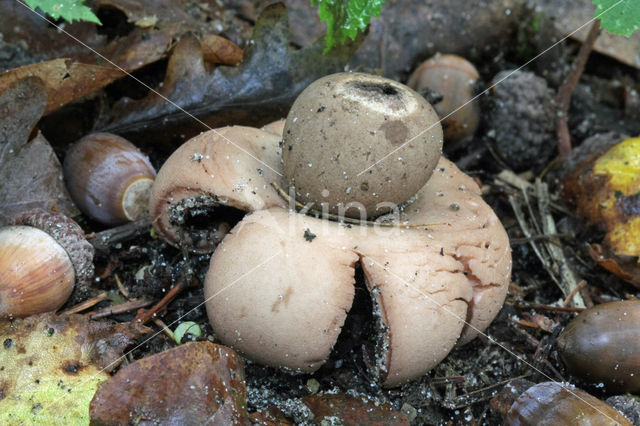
column 338, row 138
column 454, row 78
column 108, row 178
column 42, row 256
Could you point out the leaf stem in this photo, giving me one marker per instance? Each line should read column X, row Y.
column 563, row 100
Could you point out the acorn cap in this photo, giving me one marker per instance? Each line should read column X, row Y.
column 68, row 234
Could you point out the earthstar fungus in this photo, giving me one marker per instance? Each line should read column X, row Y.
column 281, row 297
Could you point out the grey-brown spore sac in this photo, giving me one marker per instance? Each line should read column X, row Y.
column 341, row 138
column 521, row 119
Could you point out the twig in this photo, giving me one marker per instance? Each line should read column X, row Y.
column 165, row 328
column 563, row 100
column 85, row 305
column 526, row 323
column 121, row 287
column 550, row 308
column 119, row 309
column 144, row 316
column 439, row 381
column 516, row 241
column 568, row 280
column 104, row 240
column 517, row 210
column 573, row 292
column 486, row 393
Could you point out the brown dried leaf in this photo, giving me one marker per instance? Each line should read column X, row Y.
column 196, row 383
column 65, row 81
column 353, row 411
column 108, row 341
column 569, row 16
column 260, row 89
column 30, row 173
column 624, row 267
column 51, row 366
column 160, row 22
column 27, row 38
column 219, row 50
column 137, row 49
column 168, row 14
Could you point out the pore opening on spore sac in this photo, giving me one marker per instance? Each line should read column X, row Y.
column 378, row 95
column 379, row 89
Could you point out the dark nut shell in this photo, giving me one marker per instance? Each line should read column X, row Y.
column 108, row 178
column 553, row 403
column 602, row 345
column 359, row 138
column 454, row 78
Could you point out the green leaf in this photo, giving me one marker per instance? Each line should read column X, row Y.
column 65, row 9
column 345, row 18
column 187, row 327
column 618, row 16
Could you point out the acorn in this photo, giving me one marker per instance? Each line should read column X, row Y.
column 42, row 256
column 108, row 178
column 553, row 403
column 602, row 346
column 454, row 78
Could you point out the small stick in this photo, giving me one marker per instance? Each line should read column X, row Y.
column 577, row 288
column 144, row 316
column 517, row 210
column 85, row 305
column 104, row 240
column 568, row 279
column 515, row 241
column 485, row 393
column 121, row 287
column 563, row 100
column 165, row 328
column 550, row 308
column 525, row 323
column 119, row 309
column 446, row 380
